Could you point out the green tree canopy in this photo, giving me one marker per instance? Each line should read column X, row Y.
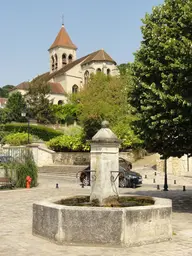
column 4, row 91
column 14, row 107
column 65, row 113
column 38, row 101
column 162, row 69
column 105, row 98
column 124, row 68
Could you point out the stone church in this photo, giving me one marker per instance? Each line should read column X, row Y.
column 68, row 74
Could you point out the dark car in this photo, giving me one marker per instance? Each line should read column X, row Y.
column 127, row 178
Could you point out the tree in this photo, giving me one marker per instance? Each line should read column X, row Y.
column 124, row 69
column 4, row 91
column 14, row 107
column 65, row 113
column 5, row 116
column 105, row 98
column 162, row 92
column 39, row 105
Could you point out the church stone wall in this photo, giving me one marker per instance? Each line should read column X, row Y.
column 57, row 97
column 92, row 68
column 23, row 92
column 73, row 77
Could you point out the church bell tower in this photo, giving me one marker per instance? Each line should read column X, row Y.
column 62, row 51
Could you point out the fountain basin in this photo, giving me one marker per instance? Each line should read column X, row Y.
column 110, row 226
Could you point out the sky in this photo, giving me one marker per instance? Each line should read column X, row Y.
column 29, row 27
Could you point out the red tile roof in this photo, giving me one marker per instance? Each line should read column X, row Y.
column 63, row 39
column 99, row 55
column 3, row 101
column 56, row 88
column 22, row 86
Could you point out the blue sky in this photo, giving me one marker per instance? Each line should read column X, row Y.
column 29, row 27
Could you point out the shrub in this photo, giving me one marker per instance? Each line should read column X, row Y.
column 68, row 143
column 17, row 139
column 42, row 132
column 125, row 133
column 72, row 130
column 20, row 168
column 2, row 136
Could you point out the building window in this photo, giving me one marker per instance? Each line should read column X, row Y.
column 108, row 71
column 98, row 70
column 52, row 63
column 64, row 59
column 86, row 76
column 70, row 58
column 56, row 63
column 74, row 88
column 60, row 102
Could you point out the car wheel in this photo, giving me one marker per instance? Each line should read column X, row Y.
column 86, row 181
column 122, row 183
column 133, row 184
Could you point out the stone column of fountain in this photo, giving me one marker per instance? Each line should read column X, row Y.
column 104, row 164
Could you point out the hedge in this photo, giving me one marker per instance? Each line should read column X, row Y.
column 17, row 139
column 67, row 143
column 42, row 132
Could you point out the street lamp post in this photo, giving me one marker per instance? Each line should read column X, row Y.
column 24, row 114
column 165, row 180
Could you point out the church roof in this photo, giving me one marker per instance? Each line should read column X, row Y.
column 56, row 88
column 99, row 55
column 63, row 39
column 22, row 86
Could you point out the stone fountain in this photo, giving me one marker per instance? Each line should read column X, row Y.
column 125, row 226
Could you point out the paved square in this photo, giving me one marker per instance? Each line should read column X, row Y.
column 16, row 238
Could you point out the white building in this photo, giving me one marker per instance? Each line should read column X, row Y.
column 67, row 73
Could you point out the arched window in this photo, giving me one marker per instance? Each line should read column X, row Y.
column 98, row 70
column 75, row 88
column 56, row 62
column 64, row 59
column 60, row 102
column 52, row 63
column 86, row 76
column 70, row 58
column 108, row 71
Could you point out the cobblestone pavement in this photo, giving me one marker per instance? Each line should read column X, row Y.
column 16, row 238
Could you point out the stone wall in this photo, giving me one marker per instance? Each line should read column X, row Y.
column 71, row 158
column 45, row 157
column 176, row 166
column 42, row 156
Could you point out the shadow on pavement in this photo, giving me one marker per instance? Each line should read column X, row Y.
column 182, row 200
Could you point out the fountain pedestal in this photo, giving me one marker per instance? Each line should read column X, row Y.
column 104, row 165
